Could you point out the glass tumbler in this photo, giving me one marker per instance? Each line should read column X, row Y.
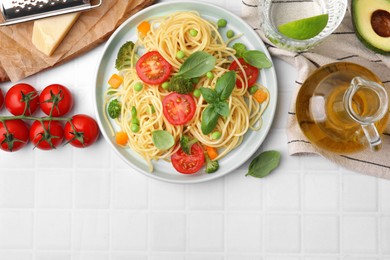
column 277, row 12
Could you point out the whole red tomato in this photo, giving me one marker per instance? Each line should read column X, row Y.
column 81, row 131
column 46, row 135
column 56, row 99
column 21, row 98
column 16, row 137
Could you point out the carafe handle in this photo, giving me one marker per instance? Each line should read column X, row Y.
column 367, row 122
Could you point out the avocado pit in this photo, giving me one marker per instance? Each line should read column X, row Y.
column 380, row 22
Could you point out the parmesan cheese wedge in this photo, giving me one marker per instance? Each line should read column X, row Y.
column 49, row 32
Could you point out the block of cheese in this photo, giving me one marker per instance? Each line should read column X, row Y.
column 49, row 32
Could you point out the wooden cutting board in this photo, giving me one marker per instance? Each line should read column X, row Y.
column 20, row 59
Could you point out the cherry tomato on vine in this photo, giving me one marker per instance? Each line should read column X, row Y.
column 46, row 135
column 21, row 98
column 56, row 99
column 81, row 131
column 188, row 163
column 1, row 99
column 14, row 135
column 251, row 72
column 152, row 68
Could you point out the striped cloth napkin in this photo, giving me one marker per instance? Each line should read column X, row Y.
column 342, row 45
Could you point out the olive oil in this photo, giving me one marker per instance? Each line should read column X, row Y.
column 321, row 108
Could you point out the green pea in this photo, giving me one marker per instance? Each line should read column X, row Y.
column 180, row 54
column 138, row 86
column 222, row 23
column 210, row 75
column 193, row 32
column 134, row 128
column 151, row 109
column 216, row 135
column 165, row 85
column 252, row 90
column 135, row 121
column 197, row 93
column 133, row 112
column 230, row 34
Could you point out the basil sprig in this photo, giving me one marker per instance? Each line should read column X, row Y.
column 197, row 64
column 257, row 59
column 162, row 139
column 217, row 101
column 263, row 164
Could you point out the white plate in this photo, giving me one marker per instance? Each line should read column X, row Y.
column 127, row 31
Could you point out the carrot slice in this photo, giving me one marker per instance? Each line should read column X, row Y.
column 260, row 96
column 211, row 152
column 121, row 138
column 115, row 80
column 143, row 28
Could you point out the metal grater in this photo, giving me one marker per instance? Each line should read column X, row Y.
column 18, row 11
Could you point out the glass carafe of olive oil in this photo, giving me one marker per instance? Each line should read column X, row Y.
column 343, row 107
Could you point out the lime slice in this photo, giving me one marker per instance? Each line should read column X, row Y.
column 305, row 28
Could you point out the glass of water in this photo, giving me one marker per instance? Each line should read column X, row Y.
column 277, row 12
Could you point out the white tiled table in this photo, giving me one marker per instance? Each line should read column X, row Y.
column 86, row 204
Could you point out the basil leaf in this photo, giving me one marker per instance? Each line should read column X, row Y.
column 197, row 64
column 257, row 59
column 209, row 95
column 225, row 84
column 209, row 119
column 263, row 164
column 222, row 108
column 163, row 140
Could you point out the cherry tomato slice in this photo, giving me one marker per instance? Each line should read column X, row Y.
column 15, row 101
column 252, row 73
column 178, row 109
column 188, row 163
column 59, row 94
column 152, row 68
column 47, row 136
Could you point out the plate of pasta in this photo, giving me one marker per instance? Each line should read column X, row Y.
column 185, row 92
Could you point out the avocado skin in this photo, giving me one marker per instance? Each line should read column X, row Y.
column 355, row 17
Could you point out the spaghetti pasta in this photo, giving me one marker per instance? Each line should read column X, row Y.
column 167, row 36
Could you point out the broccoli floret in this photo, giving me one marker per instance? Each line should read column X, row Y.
column 181, row 85
column 114, row 109
column 240, row 49
column 123, row 59
column 211, row 166
column 186, row 143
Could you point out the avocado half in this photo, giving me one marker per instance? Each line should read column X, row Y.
column 371, row 20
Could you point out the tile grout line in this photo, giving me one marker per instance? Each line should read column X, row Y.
column 110, row 207
column 263, row 221
column 379, row 218
column 340, row 212
column 225, row 218
column 187, row 223
column 72, row 198
column 301, row 205
column 149, row 229
column 34, row 210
